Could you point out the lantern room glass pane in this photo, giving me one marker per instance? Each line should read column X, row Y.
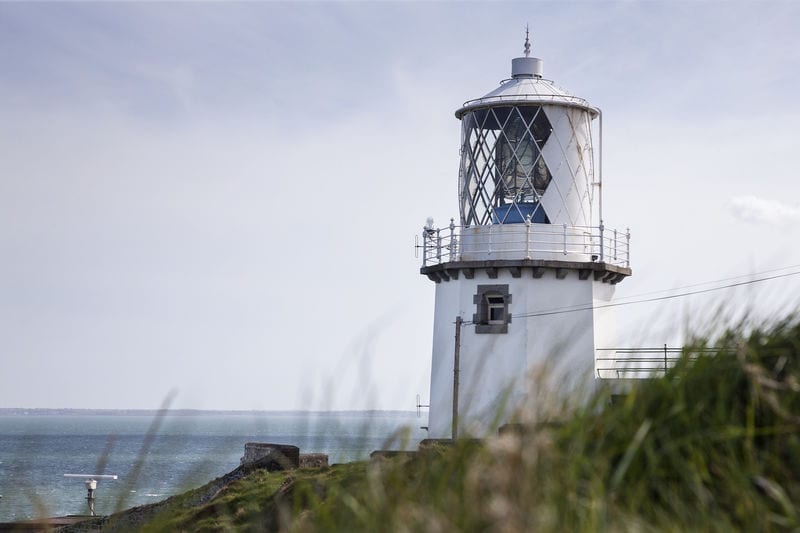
column 503, row 174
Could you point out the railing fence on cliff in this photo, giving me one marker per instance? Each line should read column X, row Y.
column 642, row 363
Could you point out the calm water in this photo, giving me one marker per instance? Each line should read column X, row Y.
column 187, row 451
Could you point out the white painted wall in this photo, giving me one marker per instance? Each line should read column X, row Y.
column 521, row 241
column 498, row 370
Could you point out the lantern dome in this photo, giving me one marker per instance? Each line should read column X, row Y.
column 526, row 87
column 526, row 90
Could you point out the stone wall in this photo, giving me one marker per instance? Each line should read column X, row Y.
column 279, row 456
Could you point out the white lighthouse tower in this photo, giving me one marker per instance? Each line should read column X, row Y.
column 522, row 280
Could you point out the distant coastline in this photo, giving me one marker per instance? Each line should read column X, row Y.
column 22, row 411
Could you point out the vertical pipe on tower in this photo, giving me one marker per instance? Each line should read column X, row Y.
column 456, row 365
column 600, row 169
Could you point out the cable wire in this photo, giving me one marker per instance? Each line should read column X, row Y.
column 588, row 307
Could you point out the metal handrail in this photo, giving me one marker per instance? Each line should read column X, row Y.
column 444, row 245
column 575, row 100
column 626, row 361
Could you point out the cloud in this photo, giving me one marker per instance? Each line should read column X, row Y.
column 762, row 211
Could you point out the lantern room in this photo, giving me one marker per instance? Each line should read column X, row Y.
column 526, row 153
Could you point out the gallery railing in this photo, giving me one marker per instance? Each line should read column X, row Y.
column 525, row 241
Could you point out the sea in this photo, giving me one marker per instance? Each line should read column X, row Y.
column 158, row 454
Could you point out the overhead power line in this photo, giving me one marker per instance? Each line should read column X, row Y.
column 589, row 306
column 713, row 282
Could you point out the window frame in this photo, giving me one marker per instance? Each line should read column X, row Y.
column 484, row 323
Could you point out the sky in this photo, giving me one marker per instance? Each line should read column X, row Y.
column 220, row 199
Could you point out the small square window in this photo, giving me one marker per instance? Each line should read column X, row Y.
column 492, row 314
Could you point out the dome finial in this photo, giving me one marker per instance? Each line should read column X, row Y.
column 524, row 67
column 527, row 42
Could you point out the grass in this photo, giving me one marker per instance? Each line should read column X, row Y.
column 237, row 504
column 714, row 445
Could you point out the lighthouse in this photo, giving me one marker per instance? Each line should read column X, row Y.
column 525, row 277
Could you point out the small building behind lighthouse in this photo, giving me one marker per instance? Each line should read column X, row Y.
column 525, row 277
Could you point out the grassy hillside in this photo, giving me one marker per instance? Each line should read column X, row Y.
column 712, row 446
